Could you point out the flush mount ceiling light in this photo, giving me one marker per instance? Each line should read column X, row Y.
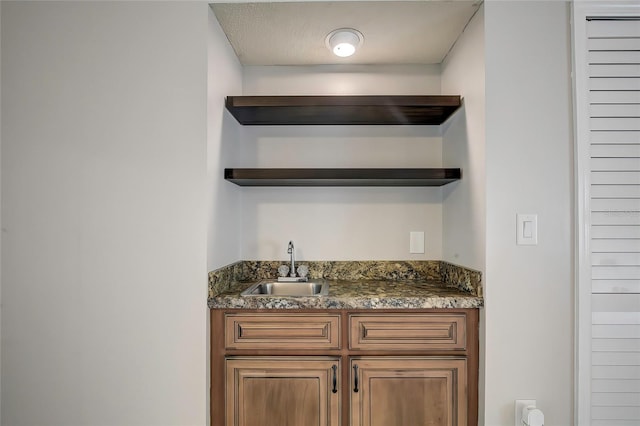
column 343, row 42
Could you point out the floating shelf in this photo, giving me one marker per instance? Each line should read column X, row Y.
column 342, row 110
column 349, row 110
column 342, row 177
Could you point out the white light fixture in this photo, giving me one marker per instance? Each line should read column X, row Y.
column 343, row 42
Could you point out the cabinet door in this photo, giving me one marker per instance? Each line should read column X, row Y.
column 408, row 391
column 282, row 391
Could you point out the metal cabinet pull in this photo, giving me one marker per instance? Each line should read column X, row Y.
column 355, row 380
column 335, row 379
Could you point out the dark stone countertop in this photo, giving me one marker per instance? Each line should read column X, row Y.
column 356, row 294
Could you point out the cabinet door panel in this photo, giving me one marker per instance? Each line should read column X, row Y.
column 404, row 391
column 282, row 391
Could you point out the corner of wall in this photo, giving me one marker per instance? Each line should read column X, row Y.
column 224, row 78
column 463, row 73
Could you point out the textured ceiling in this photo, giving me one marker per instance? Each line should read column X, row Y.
column 395, row 32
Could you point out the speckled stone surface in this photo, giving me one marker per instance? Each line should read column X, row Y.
column 461, row 278
column 369, row 294
column 351, row 270
column 355, row 284
column 221, row 279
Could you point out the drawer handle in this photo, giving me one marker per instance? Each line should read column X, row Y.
column 355, row 380
column 335, row 379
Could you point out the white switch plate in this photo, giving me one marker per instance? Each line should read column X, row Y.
column 520, row 404
column 416, row 242
column 527, row 229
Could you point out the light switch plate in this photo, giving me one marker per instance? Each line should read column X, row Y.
column 526, row 229
column 416, row 242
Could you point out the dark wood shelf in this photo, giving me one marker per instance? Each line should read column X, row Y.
column 342, row 177
column 342, row 110
column 348, row 110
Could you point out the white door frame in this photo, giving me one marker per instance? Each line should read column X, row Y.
column 582, row 340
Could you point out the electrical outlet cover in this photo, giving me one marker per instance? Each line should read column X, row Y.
column 416, row 242
column 519, row 405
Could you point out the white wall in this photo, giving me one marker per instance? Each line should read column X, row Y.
column 340, row 223
column 224, row 79
column 342, row 80
column 529, row 301
column 463, row 145
column 104, row 213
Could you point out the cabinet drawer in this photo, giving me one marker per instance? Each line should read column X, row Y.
column 404, row 332
column 282, row 331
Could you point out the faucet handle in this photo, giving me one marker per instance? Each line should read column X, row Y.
column 283, row 270
column 303, row 270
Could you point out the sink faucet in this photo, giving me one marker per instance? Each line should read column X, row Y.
column 290, row 250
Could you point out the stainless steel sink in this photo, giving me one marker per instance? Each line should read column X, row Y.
column 301, row 289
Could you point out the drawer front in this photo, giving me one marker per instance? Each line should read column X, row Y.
column 282, row 331
column 403, row 332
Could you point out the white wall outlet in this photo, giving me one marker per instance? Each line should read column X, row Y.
column 527, row 229
column 520, row 404
column 416, row 242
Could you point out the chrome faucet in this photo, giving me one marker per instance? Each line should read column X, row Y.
column 290, row 250
column 293, row 277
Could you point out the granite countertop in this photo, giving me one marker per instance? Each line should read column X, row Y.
column 356, row 294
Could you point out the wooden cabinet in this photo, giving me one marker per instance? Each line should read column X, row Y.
column 285, row 391
column 408, row 391
column 344, row 367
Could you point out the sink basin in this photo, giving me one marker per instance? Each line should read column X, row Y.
column 301, row 289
